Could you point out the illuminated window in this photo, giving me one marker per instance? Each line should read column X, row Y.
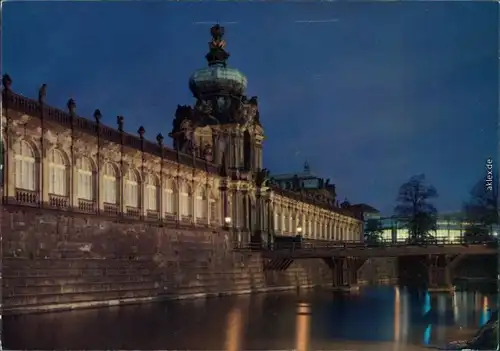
column 58, row 175
column 85, row 183
column 201, row 203
column 185, row 200
column 170, row 197
column 132, row 189
column 110, row 184
column 151, row 193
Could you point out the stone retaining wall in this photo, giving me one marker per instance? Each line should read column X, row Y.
column 58, row 260
column 380, row 270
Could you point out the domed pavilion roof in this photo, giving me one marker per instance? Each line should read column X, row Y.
column 217, row 78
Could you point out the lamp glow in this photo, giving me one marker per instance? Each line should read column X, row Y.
column 227, row 220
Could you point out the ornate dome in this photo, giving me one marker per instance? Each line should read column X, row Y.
column 217, row 78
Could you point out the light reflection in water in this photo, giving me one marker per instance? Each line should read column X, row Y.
column 261, row 322
column 303, row 327
column 397, row 318
column 485, row 312
column 234, row 330
column 454, row 302
column 441, row 309
column 401, row 317
column 397, row 312
column 427, row 334
column 427, row 303
column 466, row 309
column 405, row 316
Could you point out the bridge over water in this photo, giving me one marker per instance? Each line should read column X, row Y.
column 431, row 263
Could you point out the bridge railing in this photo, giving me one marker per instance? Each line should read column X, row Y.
column 343, row 245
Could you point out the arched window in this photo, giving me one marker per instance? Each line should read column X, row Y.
column 110, row 184
column 277, row 220
column 247, row 150
column 201, row 203
column 132, row 189
column 185, row 200
column 151, row 193
column 58, row 175
column 170, row 197
column 214, row 209
column 286, row 221
column 293, row 219
column 85, row 183
column 25, row 168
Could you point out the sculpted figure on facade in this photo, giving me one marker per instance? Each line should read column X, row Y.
column 71, row 104
column 220, row 142
column 262, row 178
column 204, row 106
column 42, row 93
column 207, row 152
column 183, row 129
column 204, row 113
column 6, row 82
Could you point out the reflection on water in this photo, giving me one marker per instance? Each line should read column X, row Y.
column 303, row 326
column 485, row 312
column 302, row 321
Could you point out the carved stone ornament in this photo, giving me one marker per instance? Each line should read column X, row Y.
column 207, row 152
column 64, row 139
column 204, row 106
column 20, row 121
column 112, row 152
column 50, row 137
column 84, row 148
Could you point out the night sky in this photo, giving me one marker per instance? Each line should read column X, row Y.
column 369, row 93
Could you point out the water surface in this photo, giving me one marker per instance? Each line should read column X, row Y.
column 382, row 318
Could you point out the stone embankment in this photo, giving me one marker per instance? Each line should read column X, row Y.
column 55, row 260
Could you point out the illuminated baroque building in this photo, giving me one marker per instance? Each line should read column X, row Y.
column 212, row 177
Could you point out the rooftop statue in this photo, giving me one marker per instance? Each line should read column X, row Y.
column 217, row 53
column 217, row 33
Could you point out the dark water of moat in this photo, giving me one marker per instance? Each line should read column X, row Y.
column 382, row 318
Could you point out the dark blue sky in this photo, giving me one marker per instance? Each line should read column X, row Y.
column 374, row 94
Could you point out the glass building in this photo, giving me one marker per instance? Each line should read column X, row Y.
column 450, row 227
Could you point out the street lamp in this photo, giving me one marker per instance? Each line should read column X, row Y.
column 299, row 230
column 227, row 220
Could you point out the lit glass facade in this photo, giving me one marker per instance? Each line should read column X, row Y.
column 448, row 227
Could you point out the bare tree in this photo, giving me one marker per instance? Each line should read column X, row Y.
column 415, row 210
